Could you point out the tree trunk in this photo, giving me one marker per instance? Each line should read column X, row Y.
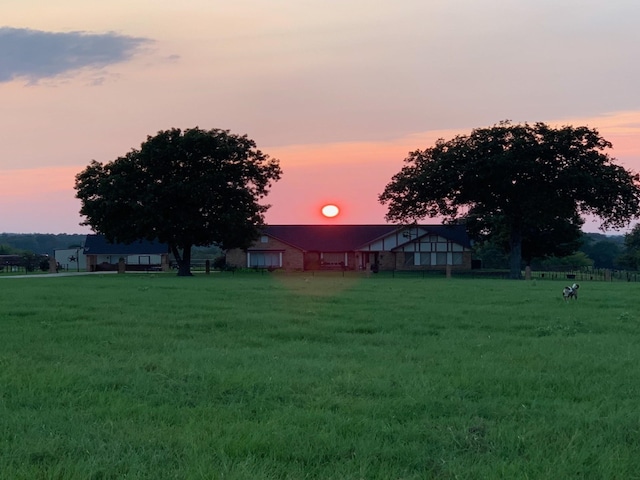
column 515, row 254
column 184, row 260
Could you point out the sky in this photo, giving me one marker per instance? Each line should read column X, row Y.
column 339, row 91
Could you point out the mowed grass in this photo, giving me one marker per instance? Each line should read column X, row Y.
column 251, row 376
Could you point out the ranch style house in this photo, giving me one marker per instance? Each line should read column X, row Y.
column 356, row 247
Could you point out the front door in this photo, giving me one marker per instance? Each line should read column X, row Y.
column 369, row 259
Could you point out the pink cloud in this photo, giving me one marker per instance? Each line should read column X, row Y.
column 352, row 175
column 40, row 200
column 36, row 182
column 622, row 129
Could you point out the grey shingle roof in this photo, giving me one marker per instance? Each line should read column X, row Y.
column 98, row 245
column 347, row 238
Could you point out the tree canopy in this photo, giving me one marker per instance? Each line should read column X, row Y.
column 631, row 258
column 183, row 188
column 605, row 251
column 528, row 182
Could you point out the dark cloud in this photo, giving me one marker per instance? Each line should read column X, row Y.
column 34, row 54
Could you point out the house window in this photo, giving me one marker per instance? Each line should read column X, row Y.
column 425, row 259
column 457, row 258
column 264, row 239
column 265, row 259
column 441, row 258
column 409, row 259
column 334, row 258
column 425, row 247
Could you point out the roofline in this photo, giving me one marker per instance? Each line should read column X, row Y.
column 395, row 230
column 424, row 226
column 279, row 239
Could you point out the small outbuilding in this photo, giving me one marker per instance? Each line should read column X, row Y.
column 141, row 255
column 71, row 259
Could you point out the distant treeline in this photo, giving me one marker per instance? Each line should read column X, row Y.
column 603, row 250
column 38, row 243
column 46, row 243
column 597, row 251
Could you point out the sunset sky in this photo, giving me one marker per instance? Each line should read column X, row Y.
column 338, row 90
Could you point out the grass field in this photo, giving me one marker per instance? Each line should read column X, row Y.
column 251, row 376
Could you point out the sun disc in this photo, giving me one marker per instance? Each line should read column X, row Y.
column 330, row 211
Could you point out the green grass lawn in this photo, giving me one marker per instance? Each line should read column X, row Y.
column 273, row 376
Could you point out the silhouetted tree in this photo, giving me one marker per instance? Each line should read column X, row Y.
column 517, row 180
column 185, row 189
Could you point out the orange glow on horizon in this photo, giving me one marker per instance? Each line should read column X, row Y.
column 33, row 182
column 349, row 175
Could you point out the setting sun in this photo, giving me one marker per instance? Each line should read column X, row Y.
column 330, row 211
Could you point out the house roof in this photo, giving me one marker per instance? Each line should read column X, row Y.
column 346, row 238
column 98, row 245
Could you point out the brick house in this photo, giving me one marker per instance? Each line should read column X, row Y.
column 357, row 247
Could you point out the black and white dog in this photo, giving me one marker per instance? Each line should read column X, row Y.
column 570, row 292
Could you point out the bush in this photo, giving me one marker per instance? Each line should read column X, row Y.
column 219, row 263
column 44, row 264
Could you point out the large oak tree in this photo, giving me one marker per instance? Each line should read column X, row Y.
column 183, row 188
column 518, row 180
